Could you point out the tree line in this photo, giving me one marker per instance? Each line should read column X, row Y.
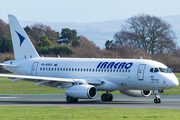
column 146, row 35
column 142, row 35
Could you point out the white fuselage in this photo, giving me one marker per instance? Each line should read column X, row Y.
column 118, row 74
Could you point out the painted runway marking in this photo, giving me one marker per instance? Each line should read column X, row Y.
column 8, row 97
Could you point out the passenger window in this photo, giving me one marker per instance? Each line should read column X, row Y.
column 117, row 70
column 114, row 70
column 63, row 69
column 151, row 70
column 107, row 70
column 93, row 70
column 58, row 69
column 104, row 70
column 89, row 70
column 75, row 69
column 110, row 70
column 54, row 69
column 69, row 69
column 66, row 69
column 129, row 71
column 125, row 70
column 72, row 69
column 156, row 70
column 49, row 69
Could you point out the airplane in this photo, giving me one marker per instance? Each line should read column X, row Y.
column 83, row 77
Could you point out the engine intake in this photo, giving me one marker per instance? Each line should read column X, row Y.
column 81, row 91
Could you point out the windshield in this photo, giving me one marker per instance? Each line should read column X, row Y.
column 164, row 70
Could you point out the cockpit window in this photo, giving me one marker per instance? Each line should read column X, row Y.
column 156, row 70
column 151, row 70
column 169, row 70
column 164, row 70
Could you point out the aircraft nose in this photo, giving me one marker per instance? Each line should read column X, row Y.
column 174, row 81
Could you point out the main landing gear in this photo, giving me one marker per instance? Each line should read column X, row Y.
column 71, row 99
column 107, row 97
column 157, row 97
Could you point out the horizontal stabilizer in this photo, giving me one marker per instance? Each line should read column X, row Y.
column 8, row 65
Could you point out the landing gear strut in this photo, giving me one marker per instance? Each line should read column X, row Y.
column 71, row 99
column 157, row 97
column 107, row 97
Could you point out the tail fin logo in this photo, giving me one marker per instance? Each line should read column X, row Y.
column 21, row 38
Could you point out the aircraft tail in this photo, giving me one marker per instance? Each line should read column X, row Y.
column 23, row 48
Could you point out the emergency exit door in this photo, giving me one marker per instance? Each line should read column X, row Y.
column 140, row 74
column 34, row 69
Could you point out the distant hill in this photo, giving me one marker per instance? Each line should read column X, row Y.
column 99, row 32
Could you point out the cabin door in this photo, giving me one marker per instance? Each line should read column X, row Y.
column 34, row 69
column 140, row 72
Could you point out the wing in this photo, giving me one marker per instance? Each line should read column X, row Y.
column 51, row 81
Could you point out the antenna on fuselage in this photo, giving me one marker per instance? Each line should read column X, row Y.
column 141, row 57
column 58, row 56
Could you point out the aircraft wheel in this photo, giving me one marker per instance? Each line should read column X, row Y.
column 104, row 97
column 157, row 100
column 109, row 97
column 75, row 100
column 69, row 99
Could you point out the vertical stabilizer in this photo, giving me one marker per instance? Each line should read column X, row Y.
column 23, row 48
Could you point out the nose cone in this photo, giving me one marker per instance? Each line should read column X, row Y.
column 173, row 81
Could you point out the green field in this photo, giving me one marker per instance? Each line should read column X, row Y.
column 23, row 87
column 91, row 113
column 44, row 113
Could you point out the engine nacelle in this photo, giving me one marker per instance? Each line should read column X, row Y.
column 81, row 91
column 136, row 93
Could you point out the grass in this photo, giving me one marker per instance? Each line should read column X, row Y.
column 23, row 87
column 15, row 112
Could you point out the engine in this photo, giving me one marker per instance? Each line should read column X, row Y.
column 81, row 91
column 136, row 93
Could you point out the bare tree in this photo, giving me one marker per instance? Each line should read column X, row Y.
column 150, row 33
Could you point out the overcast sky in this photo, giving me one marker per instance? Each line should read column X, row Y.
column 85, row 11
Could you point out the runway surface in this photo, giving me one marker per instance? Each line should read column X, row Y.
column 119, row 101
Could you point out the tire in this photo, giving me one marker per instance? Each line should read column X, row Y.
column 75, row 100
column 69, row 99
column 104, row 97
column 109, row 97
column 155, row 101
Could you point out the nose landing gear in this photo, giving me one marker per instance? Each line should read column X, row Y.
column 157, row 97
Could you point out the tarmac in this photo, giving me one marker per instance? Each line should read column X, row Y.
column 119, row 101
